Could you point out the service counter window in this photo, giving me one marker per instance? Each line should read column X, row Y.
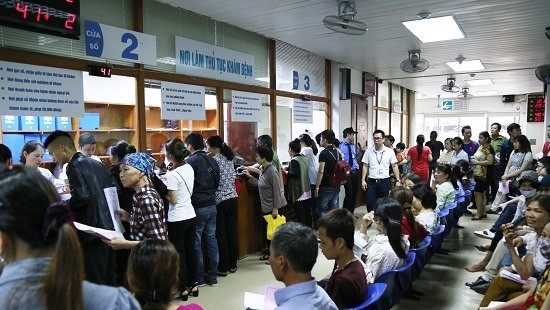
column 293, row 120
column 246, row 117
column 160, row 128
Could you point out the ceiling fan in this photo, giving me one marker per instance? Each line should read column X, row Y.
column 543, row 73
column 450, row 87
column 345, row 22
column 465, row 94
column 414, row 63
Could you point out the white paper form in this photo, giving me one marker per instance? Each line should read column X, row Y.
column 112, row 200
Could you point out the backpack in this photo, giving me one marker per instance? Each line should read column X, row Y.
column 340, row 173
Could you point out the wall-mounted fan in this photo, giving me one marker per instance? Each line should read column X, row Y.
column 465, row 94
column 543, row 73
column 450, row 87
column 345, row 22
column 414, row 63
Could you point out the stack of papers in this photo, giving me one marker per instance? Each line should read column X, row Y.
column 515, row 277
column 98, row 232
column 261, row 302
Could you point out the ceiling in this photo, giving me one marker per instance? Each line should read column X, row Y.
column 507, row 36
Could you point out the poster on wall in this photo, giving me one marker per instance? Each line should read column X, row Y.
column 38, row 90
column 246, row 107
column 213, row 62
column 396, row 125
column 182, row 101
column 383, row 121
column 302, row 112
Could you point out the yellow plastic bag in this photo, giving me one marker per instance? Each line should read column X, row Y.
column 272, row 224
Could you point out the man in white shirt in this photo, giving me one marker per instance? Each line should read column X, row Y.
column 376, row 164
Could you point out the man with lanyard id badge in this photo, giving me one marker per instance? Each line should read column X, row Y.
column 376, row 162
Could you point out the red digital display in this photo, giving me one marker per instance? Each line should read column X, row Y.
column 99, row 71
column 535, row 109
column 56, row 17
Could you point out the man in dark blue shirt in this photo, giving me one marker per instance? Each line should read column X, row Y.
column 350, row 155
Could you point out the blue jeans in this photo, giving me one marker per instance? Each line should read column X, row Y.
column 376, row 188
column 327, row 200
column 505, row 217
column 206, row 226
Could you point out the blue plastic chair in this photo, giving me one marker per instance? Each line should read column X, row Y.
column 389, row 296
column 437, row 239
column 404, row 274
column 374, row 292
column 421, row 258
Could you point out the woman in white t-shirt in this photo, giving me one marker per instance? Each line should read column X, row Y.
column 181, row 216
column 309, row 150
column 519, row 161
column 32, row 156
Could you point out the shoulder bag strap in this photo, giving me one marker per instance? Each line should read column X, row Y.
column 184, row 182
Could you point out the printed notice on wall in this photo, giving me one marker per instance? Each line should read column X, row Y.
column 302, row 112
column 38, row 90
column 246, row 107
column 182, row 101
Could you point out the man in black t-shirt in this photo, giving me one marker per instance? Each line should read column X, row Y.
column 436, row 147
column 326, row 194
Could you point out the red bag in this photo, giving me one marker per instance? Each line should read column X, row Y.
column 340, row 173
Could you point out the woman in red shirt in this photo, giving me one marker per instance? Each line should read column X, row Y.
column 420, row 156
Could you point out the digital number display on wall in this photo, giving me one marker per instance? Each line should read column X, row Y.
column 55, row 17
column 535, row 109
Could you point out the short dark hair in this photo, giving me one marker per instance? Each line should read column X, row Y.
column 380, row 132
column 86, row 138
column 400, row 146
column 464, row 128
column 295, row 145
column 265, row 152
column 498, row 126
column 298, row 244
column 5, row 154
column 29, row 147
column 122, row 148
column 390, row 138
column 328, row 135
column 265, row 140
column 57, row 134
column 339, row 224
column 512, row 126
column 195, row 140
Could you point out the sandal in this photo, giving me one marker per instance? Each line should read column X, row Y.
column 264, row 257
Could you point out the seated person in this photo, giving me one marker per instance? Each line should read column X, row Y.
column 347, row 285
column 445, row 184
column 153, row 268
column 388, row 249
column 293, row 254
column 533, row 263
column 410, row 179
column 424, row 203
column 415, row 232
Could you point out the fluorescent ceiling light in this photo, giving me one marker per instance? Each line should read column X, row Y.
column 435, row 29
column 479, row 82
column 466, row 65
column 486, row 93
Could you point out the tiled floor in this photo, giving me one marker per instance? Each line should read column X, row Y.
column 442, row 280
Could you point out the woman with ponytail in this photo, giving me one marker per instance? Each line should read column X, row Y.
column 44, row 264
column 420, row 156
column 388, row 249
column 310, row 151
column 182, row 226
column 409, row 226
column 226, row 206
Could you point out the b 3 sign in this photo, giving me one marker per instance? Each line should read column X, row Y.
column 302, row 82
column 120, row 44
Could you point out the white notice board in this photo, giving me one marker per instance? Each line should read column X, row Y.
column 182, row 101
column 246, row 107
column 38, row 90
column 302, row 112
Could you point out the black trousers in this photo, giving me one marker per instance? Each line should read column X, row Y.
column 350, row 188
column 303, row 211
column 226, row 234
column 313, row 207
column 182, row 234
column 99, row 262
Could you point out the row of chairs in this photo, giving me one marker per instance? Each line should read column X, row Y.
column 390, row 287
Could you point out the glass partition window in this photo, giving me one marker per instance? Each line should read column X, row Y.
column 299, row 71
column 160, row 130
column 287, row 130
column 241, row 136
column 383, row 95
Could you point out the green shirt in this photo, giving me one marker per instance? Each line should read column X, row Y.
column 496, row 143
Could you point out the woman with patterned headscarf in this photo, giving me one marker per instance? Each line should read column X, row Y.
column 147, row 219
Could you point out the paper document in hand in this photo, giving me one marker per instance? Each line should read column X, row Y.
column 504, row 187
column 112, row 200
column 515, row 277
column 98, row 232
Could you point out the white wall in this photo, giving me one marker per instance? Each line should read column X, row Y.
column 487, row 106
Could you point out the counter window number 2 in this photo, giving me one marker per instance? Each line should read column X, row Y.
column 128, row 52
